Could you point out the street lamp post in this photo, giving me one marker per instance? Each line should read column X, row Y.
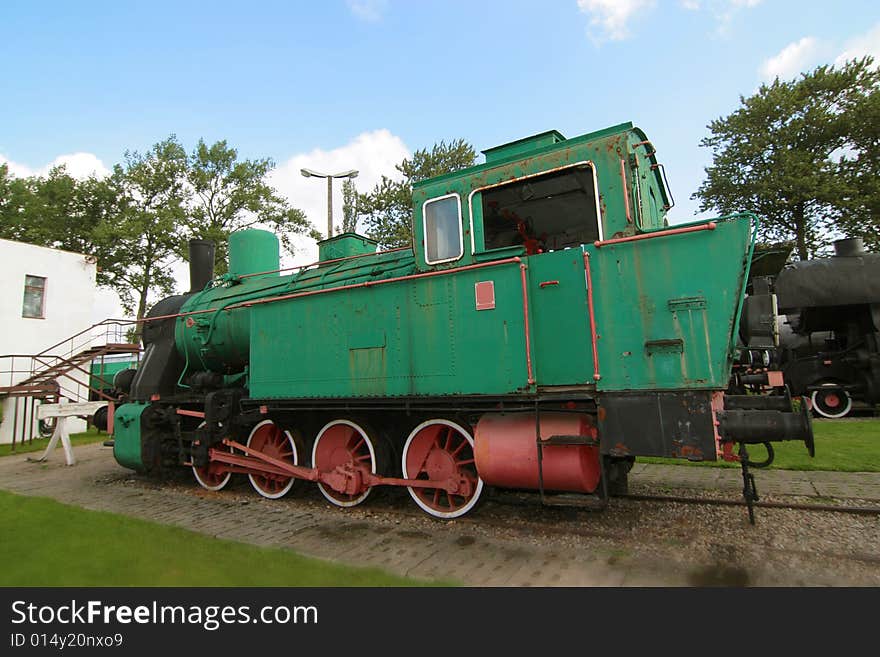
column 308, row 173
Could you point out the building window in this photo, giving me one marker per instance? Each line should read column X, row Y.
column 34, row 297
column 442, row 217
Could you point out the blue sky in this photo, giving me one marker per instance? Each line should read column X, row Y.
column 361, row 83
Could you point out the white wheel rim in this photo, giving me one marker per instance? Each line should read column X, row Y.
column 447, row 515
column 283, row 491
column 832, row 416
column 333, row 500
column 203, row 483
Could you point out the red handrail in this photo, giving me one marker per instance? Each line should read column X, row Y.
column 660, row 233
column 593, row 334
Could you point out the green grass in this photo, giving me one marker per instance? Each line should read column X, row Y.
column 39, row 444
column 841, row 446
column 46, row 543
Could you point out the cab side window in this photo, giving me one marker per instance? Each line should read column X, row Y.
column 442, row 223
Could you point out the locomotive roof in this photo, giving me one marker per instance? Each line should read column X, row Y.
column 540, row 143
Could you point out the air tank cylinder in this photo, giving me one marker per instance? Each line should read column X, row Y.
column 507, row 454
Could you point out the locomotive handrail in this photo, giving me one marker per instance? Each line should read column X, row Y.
column 593, row 332
column 657, row 233
column 626, row 203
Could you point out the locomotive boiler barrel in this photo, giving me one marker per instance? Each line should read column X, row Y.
column 210, row 335
column 506, row 452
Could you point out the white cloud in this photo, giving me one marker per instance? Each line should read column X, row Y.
column 725, row 11
column 368, row 10
column 803, row 55
column 791, row 60
column 611, row 17
column 78, row 165
column 859, row 46
column 373, row 154
column 690, row 5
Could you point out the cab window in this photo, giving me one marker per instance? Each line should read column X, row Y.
column 542, row 213
column 442, row 222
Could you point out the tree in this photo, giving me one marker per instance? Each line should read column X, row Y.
column 14, row 196
column 387, row 210
column 230, row 195
column 788, row 152
column 57, row 210
column 136, row 221
column 862, row 169
column 141, row 240
column 349, row 206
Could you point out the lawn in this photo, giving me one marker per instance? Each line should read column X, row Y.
column 39, row 444
column 841, row 446
column 46, row 543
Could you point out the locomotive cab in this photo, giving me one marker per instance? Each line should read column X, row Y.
column 538, row 195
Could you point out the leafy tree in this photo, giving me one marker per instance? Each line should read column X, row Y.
column 861, row 167
column 57, row 210
column 14, row 196
column 790, row 153
column 139, row 243
column 349, row 206
column 387, row 210
column 230, row 195
column 136, row 221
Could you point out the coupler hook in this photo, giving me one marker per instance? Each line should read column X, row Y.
column 750, row 491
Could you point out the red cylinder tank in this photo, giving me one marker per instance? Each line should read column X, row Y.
column 507, row 455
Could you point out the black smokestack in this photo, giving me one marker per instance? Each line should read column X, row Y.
column 201, row 264
column 847, row 248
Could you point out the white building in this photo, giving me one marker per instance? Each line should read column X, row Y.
column 46, row 296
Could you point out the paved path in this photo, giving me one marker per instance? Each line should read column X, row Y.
column 412, row 545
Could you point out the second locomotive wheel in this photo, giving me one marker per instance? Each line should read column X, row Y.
column 270, row 439
column 213, row 476
column 344, row 444
column 441, row 450
column 831, row 401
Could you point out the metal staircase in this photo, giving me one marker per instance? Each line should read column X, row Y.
column 62, row 370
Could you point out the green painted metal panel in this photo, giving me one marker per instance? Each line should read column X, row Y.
column 416, row 337
column 560, row 318
column 103, row 371
column 521, row 146
column 127, row 436
column 344, row 246
column 666, row 307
